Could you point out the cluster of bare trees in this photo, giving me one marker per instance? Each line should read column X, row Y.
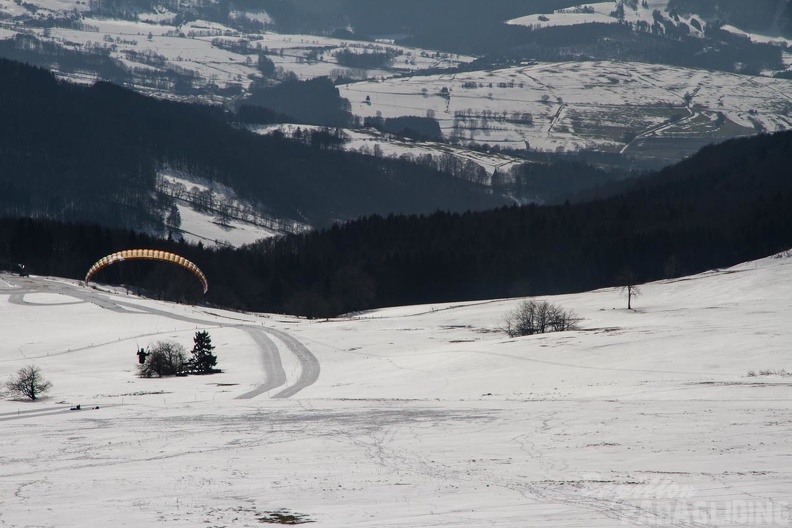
column 522, row 118
column 148, row 57
column 484, row 122
column 457, row 166
column 538, row 317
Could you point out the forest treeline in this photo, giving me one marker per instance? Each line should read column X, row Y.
column 727, row 204
column 91, row 153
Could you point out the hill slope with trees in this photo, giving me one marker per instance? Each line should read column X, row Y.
column 78, row 153
column 730, row 203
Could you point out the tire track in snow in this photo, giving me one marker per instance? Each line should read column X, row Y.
column 273, row 366
column 309, row 365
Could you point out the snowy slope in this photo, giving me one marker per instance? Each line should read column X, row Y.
column 154, row 42
column 243, row 222
column 604, row 13
column 643, row 17
column 597, row 105
column 411, row 416
column 368, row 140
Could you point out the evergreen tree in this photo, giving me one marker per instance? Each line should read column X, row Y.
column 202, row 358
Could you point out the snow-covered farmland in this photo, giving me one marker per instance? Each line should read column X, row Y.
column 150, row 43
column 43, row 8
column 576, row 105
column 411, row 416
column 371, row 141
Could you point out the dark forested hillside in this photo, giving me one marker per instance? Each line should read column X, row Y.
column 730, row 203
column 315, row 101
column 82, row 153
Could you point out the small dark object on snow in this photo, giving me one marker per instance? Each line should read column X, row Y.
column 75, row 408
column 284, row 517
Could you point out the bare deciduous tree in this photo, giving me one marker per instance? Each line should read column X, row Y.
column 629, row 287
column 538, row 317
column 631, row 291
column 166, row 358
column 28, row 382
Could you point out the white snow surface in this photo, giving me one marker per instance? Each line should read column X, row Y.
column 201, row 227
column 408, row 416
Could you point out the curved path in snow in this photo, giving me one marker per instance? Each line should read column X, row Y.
column 309, row 365
column 273, row 366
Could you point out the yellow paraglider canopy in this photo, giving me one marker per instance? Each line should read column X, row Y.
column 147, row 254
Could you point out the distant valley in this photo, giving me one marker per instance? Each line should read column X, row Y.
column 585, row 94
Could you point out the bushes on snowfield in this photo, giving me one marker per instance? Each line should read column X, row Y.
column 166, row 358
column 538, row 317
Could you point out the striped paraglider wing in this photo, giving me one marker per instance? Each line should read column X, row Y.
column 147, row 254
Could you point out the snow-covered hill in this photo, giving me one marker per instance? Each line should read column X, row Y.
column 603, row 13
column 645, row 110
column 638, row 109
column 213, row 56
column 673, row 414
column 214, row 215
column 649, row 15
column 371, row 141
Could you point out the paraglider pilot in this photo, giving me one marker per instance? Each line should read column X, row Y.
column 141, row 354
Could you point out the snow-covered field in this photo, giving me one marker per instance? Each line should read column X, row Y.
column 369, row 140
column 150, row 43
column 244, row 223
column 410, row 416
column 573, row 105
column 637, row 109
